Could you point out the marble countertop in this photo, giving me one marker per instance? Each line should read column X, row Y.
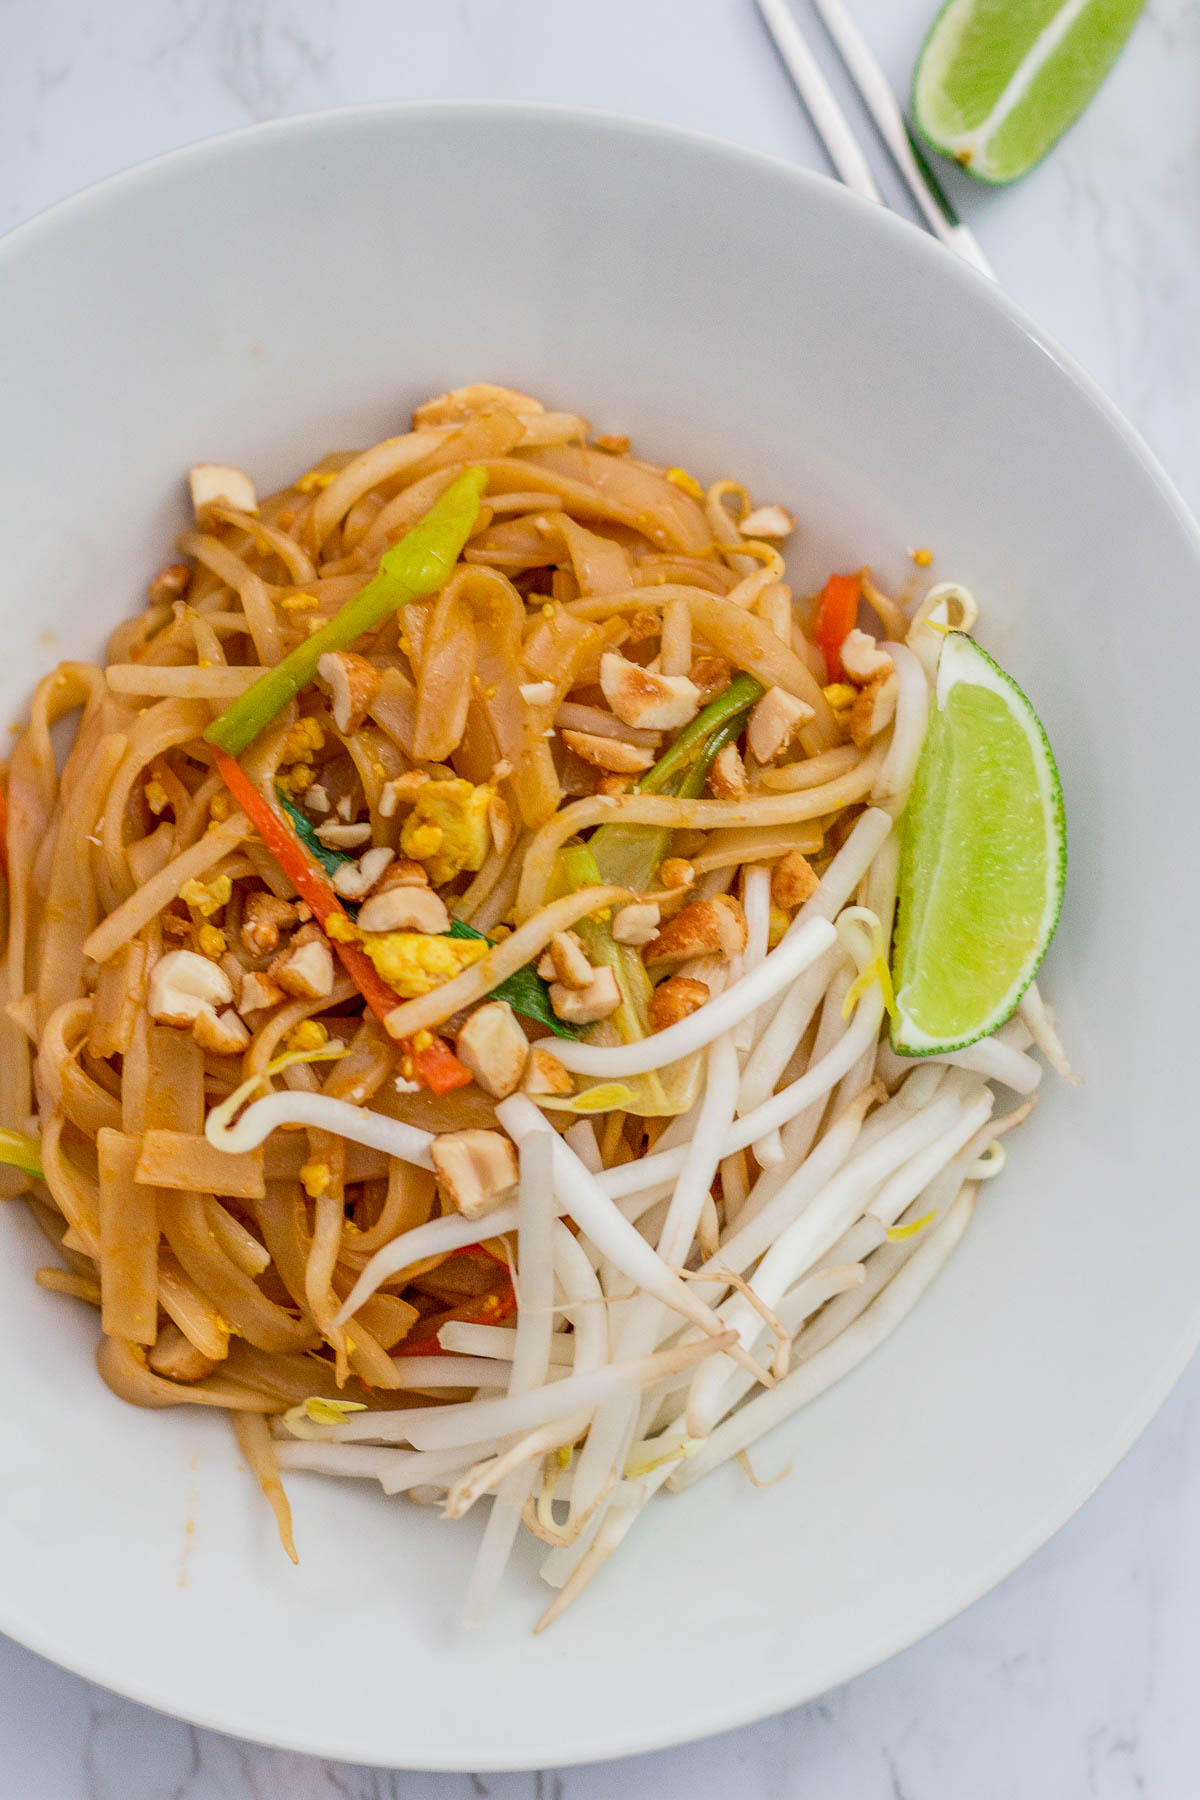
column 1077, row 1676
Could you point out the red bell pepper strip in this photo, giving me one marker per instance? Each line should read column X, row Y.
column 435, row 1063
column 837, row 611
column 437, row 1066
column 485, row 1309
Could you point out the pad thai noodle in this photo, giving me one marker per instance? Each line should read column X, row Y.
column 448, row 983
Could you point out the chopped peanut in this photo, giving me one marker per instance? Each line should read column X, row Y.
column 353, row 683
column 404, row 908
column 183, row 985
column 340, row 836
column 565, row 960
column 674, row 999
column 636, row 923
column 500, row 822
column 643, row 626
column 171, row 583
column 613, row 754
column 711, row 675
column 317, row 798
column 258, row 991
column 265, row 914
column 544, row 1074
column 768, row 522
column 774, row 722
column 640, row 697
column 494, row 1048
column 875, row 708
column 676, row 873
column 214, row 482
column 727, row 776
column 223, row 1033
column 703, row 928
column 584, row 1006
column 477, row 1170
column 538, row 693
column 353, row 881
column 864, row 657
column 614, row 442
column 402, row 872
column 305, row 970
column 793, row 879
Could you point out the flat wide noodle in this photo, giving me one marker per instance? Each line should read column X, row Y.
column 609, row 646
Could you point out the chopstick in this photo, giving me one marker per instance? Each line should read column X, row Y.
column 832, row 125
column 835, row 130
column 892, row 126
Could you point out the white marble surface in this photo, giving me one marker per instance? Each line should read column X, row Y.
column 1078, row 1676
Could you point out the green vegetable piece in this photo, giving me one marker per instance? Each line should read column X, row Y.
column 694, row 741
column 629, row 854
column 419, row 564
column 20, row 1151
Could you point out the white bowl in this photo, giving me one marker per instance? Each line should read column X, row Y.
column 262, row 298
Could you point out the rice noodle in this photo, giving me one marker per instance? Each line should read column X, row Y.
column 248, row 1200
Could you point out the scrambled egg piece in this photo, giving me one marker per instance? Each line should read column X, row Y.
column 304, row 737
column 447, row 829
column 156, row 797
column 309, row 1034
column 207, row 897
column 315, row 1178
column 416, row 962
column 840, row 695
column 686, row 483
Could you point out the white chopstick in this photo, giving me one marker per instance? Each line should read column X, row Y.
column 880, row 102
column 832, row 125
column 835, row 131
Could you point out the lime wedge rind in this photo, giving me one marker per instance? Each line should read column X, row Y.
column 998, row 82
column 963, row 660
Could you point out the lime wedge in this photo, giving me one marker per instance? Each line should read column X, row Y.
column 983, row 861
column 999, row 81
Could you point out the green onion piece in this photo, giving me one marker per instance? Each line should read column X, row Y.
column 20, row 1151
column 419, row 564
column 693, row 740
column 630, row 854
